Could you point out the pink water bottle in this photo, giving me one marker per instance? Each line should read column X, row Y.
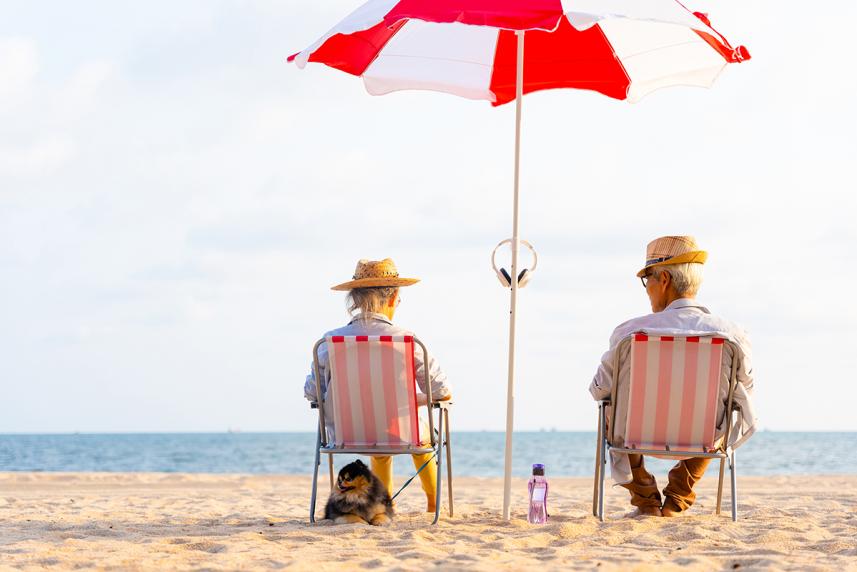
column 538, row 487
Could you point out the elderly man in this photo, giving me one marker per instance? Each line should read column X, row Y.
column 672, row 276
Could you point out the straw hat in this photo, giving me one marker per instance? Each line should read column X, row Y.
column 374, row 274
column 672, row 250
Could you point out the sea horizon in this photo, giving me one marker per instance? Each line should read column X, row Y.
column 475, row 453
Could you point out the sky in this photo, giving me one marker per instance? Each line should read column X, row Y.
column 176, row 201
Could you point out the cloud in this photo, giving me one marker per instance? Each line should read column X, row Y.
column 39, row 134
column 79, row 94
column 39, row 158
column 19, row 65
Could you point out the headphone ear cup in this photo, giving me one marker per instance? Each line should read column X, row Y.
column 523, row 278
column 504, row 277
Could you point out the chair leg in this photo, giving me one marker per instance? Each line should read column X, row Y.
column 438, row 458
column 315, row 478
column 602, row 455
column 597, row 478
column 720, row 488
column 603, row 472
column 733, row 471
column 330, row 469
column 448, row 461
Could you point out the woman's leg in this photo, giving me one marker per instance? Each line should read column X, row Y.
column 428, row 477
column 383, row 469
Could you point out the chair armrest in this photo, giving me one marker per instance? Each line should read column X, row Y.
column 603, row 402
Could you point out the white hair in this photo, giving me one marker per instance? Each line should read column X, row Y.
column 369, row 300
column 686, row 278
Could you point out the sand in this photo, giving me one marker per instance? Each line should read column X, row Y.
column 131, row 521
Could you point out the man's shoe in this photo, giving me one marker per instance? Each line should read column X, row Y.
column 670, row 508
column 645, row 511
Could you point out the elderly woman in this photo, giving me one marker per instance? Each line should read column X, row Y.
column 373, row 296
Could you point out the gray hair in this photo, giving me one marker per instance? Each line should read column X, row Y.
column 686, row 278
column 369, row 300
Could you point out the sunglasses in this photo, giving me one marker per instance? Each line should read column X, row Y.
column 645, row 278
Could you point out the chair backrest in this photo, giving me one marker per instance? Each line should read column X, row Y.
column 372, row 391
column 673, row 393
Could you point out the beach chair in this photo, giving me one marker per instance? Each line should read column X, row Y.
column 665, row 400
column 372, row 399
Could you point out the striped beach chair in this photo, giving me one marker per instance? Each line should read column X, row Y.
column 665, row 403
column 371, row 396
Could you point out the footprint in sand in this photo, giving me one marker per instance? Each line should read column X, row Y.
column 414, row 554
column 303, row 538
column 209, row 547
column 463, row 557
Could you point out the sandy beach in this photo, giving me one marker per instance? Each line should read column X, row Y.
column 130, row 521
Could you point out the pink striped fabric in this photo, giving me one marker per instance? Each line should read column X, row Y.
column 372, row 391
column 672, row 400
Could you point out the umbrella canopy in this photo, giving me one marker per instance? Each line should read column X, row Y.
column 624, row 49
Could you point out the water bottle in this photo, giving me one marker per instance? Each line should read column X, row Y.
column 538, row 487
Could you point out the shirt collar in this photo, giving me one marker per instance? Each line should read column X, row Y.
column 686, row 303
column 371, row 316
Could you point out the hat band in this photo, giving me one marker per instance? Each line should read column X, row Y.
column 656, row 260
column 384, row 275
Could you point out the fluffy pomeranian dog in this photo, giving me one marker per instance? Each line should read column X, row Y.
column 359, row 496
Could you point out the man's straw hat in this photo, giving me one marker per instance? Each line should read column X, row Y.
column 672, row 250
column 375, row 274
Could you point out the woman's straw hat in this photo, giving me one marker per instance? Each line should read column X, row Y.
column 672, row 250
column 375, row 274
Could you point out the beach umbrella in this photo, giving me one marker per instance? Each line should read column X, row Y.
column 498, row 50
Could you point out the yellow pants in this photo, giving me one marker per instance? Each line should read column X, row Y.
column 383, row 468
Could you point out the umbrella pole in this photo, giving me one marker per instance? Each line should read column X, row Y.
column 510, row 397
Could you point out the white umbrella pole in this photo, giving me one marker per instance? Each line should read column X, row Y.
column 510, row 391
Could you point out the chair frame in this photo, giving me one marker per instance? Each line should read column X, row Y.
column 438, row 443
column 604, row 443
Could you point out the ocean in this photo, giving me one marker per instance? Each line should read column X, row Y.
column 474, row 453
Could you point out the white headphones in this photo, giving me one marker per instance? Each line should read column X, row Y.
column 525, row 274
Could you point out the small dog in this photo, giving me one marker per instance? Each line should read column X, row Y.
column 359, row 496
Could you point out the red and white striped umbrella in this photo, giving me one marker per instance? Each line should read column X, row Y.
column 624, row 49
